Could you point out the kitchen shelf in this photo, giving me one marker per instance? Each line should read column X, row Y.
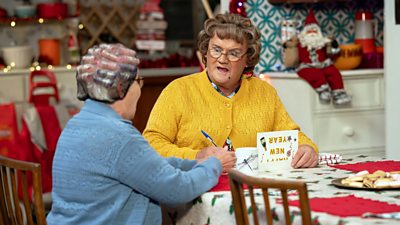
column 32, row 20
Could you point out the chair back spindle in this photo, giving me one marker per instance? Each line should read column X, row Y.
column 238, row 180
column 15, row 204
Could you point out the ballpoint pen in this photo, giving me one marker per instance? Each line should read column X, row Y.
column 208, row 137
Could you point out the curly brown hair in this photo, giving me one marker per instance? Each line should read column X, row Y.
column 234, row 27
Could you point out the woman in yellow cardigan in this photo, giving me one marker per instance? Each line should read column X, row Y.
column 221, row 100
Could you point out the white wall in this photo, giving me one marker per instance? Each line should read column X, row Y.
column 392, row 81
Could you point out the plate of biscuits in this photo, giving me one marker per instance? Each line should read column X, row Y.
column 379, row 180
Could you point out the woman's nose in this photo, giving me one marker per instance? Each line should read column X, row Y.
column 223, row 58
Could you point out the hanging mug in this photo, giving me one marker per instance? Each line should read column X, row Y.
column 290, row 52
column 288, row 29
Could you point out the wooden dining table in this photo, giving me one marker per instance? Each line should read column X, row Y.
column 330, row 205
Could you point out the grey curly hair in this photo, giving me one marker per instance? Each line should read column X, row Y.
column 235, row 27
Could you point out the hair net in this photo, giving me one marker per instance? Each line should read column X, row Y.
column 106, row 72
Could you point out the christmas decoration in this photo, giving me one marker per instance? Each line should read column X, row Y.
column 237, row 6
column 72, row 42
column 315, row 65
column 151, row 27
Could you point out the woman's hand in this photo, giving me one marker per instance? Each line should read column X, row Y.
column 305, row 157
column 227, row 158
column 207, row 152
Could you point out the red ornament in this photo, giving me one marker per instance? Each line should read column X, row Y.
column 237, row 6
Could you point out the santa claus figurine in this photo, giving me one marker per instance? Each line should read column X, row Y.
column 316, row 66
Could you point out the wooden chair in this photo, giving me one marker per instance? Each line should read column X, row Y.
column 237, row 180
column 10, row 210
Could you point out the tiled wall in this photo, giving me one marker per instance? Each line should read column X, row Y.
column 336, row 18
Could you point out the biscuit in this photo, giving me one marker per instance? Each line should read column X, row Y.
column 368, row 183
column 345, row 181
column 395, row 184
column 389, row 179
column 380, row 173
column 381, row 184
column 378, row 179
column 356, row 184
column 373, row 176
column 356, row 178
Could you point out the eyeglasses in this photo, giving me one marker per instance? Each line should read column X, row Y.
column 140, row 81
column 232, row 56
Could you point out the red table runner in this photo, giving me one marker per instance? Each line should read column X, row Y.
column 348, row 206
column 387, row 166
column 223, row 184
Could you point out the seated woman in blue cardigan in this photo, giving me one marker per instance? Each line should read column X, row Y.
column 104, row 172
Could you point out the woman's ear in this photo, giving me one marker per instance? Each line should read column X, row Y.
column 120, row 90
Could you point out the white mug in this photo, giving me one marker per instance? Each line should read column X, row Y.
column 247, row 160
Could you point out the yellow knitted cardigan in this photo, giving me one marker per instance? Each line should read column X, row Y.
column 191, row 104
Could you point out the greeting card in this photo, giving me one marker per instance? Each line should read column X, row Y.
column 276, row 149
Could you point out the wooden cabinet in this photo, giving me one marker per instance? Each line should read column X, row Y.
column 355, row 128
